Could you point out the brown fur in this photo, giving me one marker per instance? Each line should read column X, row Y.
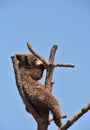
column 35, row 92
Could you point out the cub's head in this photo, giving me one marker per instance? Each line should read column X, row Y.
column 30, row 66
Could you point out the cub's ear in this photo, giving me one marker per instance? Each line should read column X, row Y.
column 22, row 60
column 20, row 57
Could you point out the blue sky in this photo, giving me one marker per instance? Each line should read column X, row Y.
column 44, row 23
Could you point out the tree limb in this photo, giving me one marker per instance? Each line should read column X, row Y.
column 16, row 71
column 71, row 121
column 36, row 54
column 63, row 65
column 29, row 107
column 50, row 69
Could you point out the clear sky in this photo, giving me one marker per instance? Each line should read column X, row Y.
column 44, row 23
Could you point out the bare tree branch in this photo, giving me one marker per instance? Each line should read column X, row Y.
column 63, row 65
column 71, row 121
column 29, row 107
column 52, row 54
column 36, row 54
column 16, row 71
column 50, row 69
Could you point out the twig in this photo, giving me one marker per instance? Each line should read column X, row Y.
column 71, row 121
column 63, row 65
column 36, row 54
